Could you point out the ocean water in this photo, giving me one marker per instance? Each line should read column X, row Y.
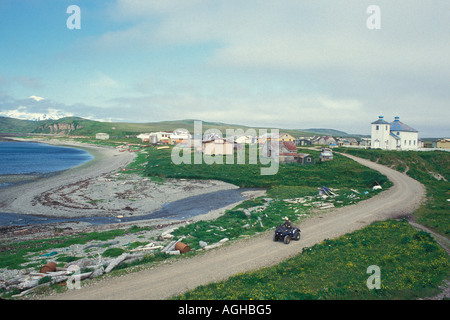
column 38, row 158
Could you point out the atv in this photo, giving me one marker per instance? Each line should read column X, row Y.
column 282, row 232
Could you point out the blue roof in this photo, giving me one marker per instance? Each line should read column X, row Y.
column 397, row 125
column 395, row 136
column 380, row 121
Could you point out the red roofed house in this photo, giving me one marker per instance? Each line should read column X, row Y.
column 288, row 152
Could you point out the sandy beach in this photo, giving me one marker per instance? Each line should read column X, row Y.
column 99, row 188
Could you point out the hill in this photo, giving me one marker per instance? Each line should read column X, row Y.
column 11, row 125
column 80, row 126
column 326, row 132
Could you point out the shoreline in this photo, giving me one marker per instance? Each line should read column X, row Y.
column 97, row 188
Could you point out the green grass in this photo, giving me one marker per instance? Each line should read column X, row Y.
column 341, row 172
column 434, row 213
column 291, row 181
column 412, row 265
column 113, row 252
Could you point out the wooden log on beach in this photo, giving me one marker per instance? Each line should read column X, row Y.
column 114, row 262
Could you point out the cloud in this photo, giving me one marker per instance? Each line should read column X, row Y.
column 36, row 98
column 25, row 113
column 287, row 63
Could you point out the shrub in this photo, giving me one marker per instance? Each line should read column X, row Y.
column 113, row 252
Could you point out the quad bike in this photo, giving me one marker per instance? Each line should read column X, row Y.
column 285, row 233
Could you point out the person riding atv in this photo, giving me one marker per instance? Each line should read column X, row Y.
column 288, row 223
column 286, row 232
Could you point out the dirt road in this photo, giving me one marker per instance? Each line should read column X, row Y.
column 167, row 280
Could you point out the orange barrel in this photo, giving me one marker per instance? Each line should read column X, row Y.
column 182, row 247
column 49, row 267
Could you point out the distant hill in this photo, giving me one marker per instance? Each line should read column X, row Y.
column 11, row 125
column 326, row 132
column 85, row 127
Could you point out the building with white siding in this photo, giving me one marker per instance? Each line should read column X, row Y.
column 394, row 135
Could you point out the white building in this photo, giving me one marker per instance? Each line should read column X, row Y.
column 102, row 136
column 165, row 137
column 393, row 136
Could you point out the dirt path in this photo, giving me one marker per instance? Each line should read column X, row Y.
column 167, row 280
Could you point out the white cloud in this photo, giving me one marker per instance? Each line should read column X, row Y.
column 36, row 98
column 284, row 63
column 23, row 113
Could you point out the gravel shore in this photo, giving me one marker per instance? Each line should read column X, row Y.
column 99, row 188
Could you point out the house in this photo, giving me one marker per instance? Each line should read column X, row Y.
column 280, row 137
column 102, row 136
column 245, row 139
column 325, row 140
column 287, row 152
column 303, row 141
column 442, row 143
column 266, row 137
column 304, row 158
column 217, row 146
column 326, row 155
column 145, row 137
column 286, row 137
column 165, row 137
column 180, row 138
column 347, row 142
column 365, row 142
column 393, row 136
column 161, row 137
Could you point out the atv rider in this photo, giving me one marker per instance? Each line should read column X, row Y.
column 288, row 223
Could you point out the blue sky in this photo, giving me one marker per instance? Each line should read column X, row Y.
column 286, row 63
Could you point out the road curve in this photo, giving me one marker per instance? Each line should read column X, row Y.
column 171, row 279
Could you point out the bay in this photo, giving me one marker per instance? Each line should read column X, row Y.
column 38, row 158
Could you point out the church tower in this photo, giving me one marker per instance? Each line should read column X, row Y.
column 380, row 133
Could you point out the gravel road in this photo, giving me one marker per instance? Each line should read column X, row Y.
column 166, row 280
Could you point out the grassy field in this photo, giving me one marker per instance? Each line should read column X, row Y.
column 411, row 265
column 291, row 182
column 430, row 168
column 341, row 172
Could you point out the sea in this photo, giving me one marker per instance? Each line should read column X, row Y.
column 38, row 158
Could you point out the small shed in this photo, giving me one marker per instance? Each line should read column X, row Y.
column 326, row 154
column 217, row 147
column 305, row 158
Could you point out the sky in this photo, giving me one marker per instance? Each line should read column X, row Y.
column 274, row 64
